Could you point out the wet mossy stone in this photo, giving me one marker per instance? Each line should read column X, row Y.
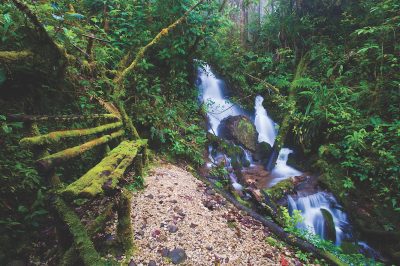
column 280, row 190
column 330, row 231
column 263, row 151
column 240, row 130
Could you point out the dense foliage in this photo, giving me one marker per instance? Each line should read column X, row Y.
column 344, row 110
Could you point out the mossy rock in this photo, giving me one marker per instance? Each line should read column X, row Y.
column 349, row 248
column 240, row 130
column 330, row 231
column 280, row 190
column 263, row 151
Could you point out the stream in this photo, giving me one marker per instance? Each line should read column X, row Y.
column 321, row 212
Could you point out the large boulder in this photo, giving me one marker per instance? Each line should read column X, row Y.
column 240, row 130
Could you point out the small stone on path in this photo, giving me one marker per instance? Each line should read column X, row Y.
column 177, row 255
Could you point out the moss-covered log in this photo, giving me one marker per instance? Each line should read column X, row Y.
column 106, row 174
column 70, row 257
column 61, row 118
column 133, row 134
column 56, row 136
column 55, row 159
column 9, row 57
column 124, row 227
column 82, row 241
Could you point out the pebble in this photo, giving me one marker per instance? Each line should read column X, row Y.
column 177, row 255
column 184, row 231
column 172, row 228
column 132, row 263
column 152, row 263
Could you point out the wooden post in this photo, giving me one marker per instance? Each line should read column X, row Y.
column 124, row 227
column 40, row 151
column 139, row 165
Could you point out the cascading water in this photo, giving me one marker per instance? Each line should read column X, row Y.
column 322, row 214
column 264, row 125
column 218, row 107
column 312, row 208
column 283, row 171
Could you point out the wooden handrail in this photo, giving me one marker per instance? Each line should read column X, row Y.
column 56, row 136
column 64, row 118
column 48, row 162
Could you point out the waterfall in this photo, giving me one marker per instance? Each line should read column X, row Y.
column 218, row 107
column 281, row 170
column 312, row 207
column 264, row 125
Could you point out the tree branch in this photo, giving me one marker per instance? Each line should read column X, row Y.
column 122, row 75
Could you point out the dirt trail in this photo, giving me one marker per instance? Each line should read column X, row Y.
column 178, row 219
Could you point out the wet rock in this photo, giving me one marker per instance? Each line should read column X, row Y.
column 152, row 263
column 209, row 248
column 240, row 130
column 132, row 263
column 330, row 231
column 177, row 255
column 172, row 228
column 263, row 152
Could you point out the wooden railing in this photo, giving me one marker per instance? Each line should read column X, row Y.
column 97, row 182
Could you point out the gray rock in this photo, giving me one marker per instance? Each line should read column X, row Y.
column 177, row 255
column 132, row 263
column 172, row 228
column 152, row 263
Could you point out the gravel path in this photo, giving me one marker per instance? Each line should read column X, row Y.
column 179, row 220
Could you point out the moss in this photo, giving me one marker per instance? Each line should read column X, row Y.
column 57, row 158
column 240, row 200
column 124, row 227
column 82, row 241
column 70, row 257
column 56, row 136
column 61, row 118
column 330, row 231
column 98, row 224
column 12, row 56
column 280, row 190
column 111, row 168
column 133, row 134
